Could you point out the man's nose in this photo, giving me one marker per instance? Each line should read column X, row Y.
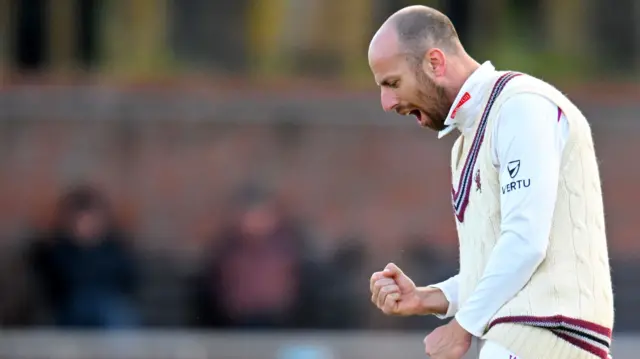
column 388, row 99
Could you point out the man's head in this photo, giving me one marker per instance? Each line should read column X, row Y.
column 84, row 214
column 419, row 64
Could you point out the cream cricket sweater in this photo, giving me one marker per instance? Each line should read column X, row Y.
column 566, row 309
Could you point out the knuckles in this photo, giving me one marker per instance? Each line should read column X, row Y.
column 381, row 287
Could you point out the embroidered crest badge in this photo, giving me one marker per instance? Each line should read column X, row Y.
column 478, row 181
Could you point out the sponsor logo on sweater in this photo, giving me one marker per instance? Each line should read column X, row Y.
column 513, row 168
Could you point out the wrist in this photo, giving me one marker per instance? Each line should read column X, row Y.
column 432, row 301
column 468, row 324
column 455, row 324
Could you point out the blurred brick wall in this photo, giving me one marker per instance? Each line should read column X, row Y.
column 338, row 162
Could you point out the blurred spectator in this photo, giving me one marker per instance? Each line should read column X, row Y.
column 85, row 267
column 345, row 288
column 260, row 275
column 426, row 264
column 17, row 304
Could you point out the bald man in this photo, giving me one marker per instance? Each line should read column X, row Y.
column 534, row 279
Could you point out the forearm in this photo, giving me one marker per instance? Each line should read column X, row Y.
column 439, row 299
column 449, row 290
column 432, row 301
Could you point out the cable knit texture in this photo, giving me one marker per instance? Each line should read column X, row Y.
column 565, row 311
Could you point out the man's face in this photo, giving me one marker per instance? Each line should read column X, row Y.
column 406, row 88
column 260, row 221
column 88, row 225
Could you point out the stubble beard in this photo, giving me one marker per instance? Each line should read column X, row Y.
column 439, row 109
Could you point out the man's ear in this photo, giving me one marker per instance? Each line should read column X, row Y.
column 434, row 62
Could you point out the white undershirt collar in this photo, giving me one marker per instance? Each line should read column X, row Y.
column 468, row 99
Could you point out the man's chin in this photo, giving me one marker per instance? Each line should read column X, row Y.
column 432, row 126
column 426, row 121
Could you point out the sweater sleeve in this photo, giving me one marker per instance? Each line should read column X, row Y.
column 530, row 133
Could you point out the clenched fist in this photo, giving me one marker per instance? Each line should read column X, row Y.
column 394, row 292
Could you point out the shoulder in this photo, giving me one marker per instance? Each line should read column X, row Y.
column 527, row 111
column 526, row 122
column 523, row 89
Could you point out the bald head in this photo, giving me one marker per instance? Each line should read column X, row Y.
column 419, row 64
column 418, row 28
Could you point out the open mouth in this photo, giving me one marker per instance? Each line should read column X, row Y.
column 418, row 116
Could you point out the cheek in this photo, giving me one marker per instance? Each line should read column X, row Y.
column 410, row 96
column 429, row 98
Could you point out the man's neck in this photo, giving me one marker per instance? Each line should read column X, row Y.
column 465, row 66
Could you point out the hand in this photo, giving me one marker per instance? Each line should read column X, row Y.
column 449, row 341
column 394, row 292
